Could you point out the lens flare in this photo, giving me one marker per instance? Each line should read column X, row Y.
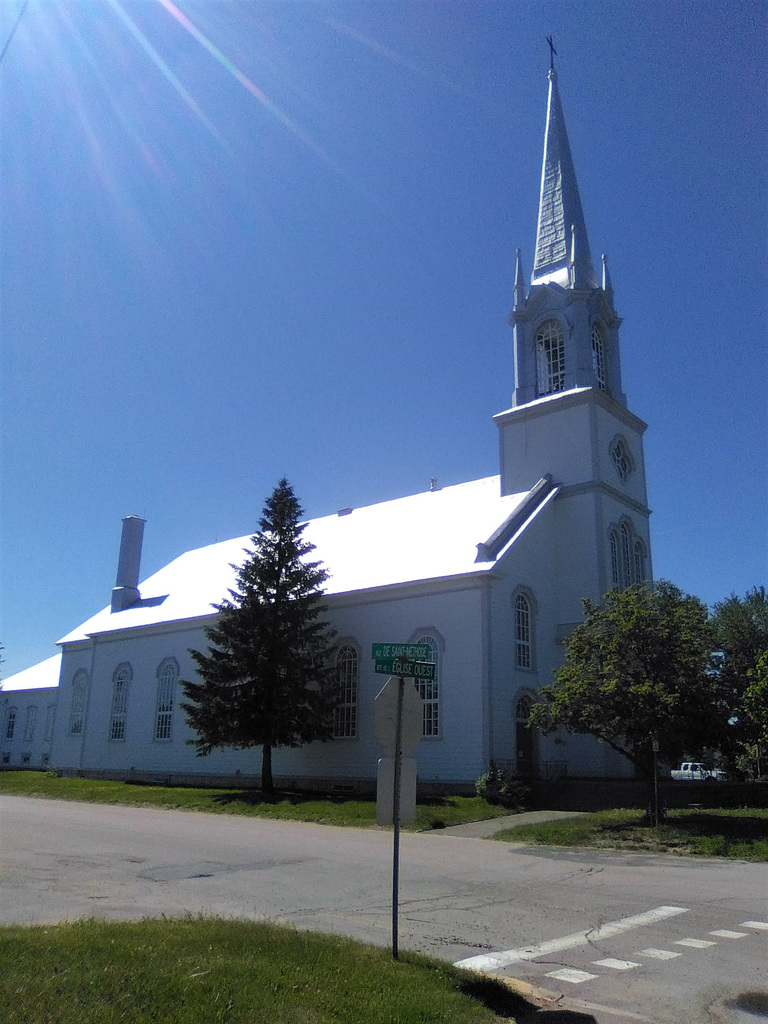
column 245, row 81
column 155, row 57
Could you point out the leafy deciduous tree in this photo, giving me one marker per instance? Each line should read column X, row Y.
column 639, row 666
column 755, row 714
column 741, row 639
column 266, row 679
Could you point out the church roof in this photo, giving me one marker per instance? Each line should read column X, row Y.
column 561, row 238
column 44, row 674
column 428, row 536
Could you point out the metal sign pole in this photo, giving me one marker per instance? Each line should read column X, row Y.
column 396, row 817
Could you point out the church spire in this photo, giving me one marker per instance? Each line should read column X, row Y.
column 561, row 234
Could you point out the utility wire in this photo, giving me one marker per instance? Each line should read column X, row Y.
column 13, row 31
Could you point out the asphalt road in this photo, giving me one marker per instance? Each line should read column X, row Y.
column 536, row 911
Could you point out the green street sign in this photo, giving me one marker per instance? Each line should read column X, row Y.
column 404, row 667
column 413, row 652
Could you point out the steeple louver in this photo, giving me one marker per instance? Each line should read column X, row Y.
column 562, row 247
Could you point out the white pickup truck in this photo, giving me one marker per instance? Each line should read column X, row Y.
column 693, row 771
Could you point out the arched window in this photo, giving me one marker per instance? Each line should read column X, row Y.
column 345, row 712
column 29, row 724
column 615, row 570
column 167, row 674
column 429, row 691
column 598, row 356
column 50, row 713
column 640, row 574
column 77, row 711
column 523, row 632
column 10, row 724
column 626, row 561
column 550, row 358
column 525, row 737
column 120, row 681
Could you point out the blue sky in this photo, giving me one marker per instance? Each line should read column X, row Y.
column 247, row 239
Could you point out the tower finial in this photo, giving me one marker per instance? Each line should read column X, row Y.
column 519, row 281
column 607, row 285
column 552, row 53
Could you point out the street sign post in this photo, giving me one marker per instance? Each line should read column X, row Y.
column 398, row 718
column 385, row 716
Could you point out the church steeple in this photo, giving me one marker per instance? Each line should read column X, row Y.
column 566, row 326
column 569, row 419
column 562, row 247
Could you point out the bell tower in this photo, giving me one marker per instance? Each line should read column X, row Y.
column 569, row 414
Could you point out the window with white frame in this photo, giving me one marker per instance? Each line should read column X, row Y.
column 626, row 560
column 167, row 675
column 628, row 557
column 429, row 691
column 120, row 682
column 639, row 562
column 345, row 711
column 523, row 631
column 615, row 565
column 550, row 358
column 77, row 710
column 598, row 356
column 29, row 723
column 10, row 724
column 50, row 713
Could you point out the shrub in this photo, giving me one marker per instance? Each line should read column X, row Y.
column 497, row 787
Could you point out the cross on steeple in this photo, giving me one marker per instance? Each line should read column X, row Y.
column 552, row 53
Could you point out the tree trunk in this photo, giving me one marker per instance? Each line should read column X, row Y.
column 653, row 819
column 267, row 784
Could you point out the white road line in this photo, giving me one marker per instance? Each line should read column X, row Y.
column 616, row 965
column 659, row 954
column 760, row 925
column 695, row 943
column 724, row 933
column 497, row 961
column 571, row 974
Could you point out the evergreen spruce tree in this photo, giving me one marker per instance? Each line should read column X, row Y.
column 266, row 679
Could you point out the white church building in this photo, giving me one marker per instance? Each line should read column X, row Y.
column 490, row 574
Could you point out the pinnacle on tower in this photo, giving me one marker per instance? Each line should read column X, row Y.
column 519, row 281
column 562, row 247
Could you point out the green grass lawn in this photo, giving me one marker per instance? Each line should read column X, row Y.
column 435, row 813
column 204, row 970
column 741, row 834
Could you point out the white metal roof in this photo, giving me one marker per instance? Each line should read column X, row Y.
column 431, row 535
column 45, row 673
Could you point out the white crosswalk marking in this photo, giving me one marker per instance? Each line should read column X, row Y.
column 760, row 925
column 725, row 933
column 695, row 943
column 616, row 965
column 498, row 961
column 570, row 974
column 659, row 954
